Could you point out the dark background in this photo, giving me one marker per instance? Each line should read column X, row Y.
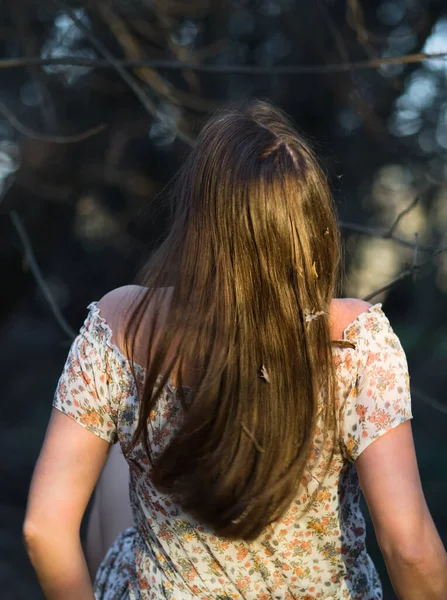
column 69, row 210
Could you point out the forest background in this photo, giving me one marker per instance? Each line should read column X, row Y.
column 99, row 104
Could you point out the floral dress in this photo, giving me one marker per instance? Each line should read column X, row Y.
column 170, row 555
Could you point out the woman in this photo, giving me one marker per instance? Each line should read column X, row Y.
column 247, row 401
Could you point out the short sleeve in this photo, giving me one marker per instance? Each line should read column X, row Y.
column 379, row 400
column 85, row 388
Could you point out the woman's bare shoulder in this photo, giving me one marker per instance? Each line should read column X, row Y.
column 117, row 305
column 120, row 298
column 343, row 312
column 123, row 298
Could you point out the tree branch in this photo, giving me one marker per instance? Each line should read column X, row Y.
column 434, row 404
column 148, row 104
column 132, row 50
column 411, row 270
column 382, row 234
column 43, row 137
column 389, row 285
column 401, row 215
column 30, row 46
column 35, row 270
column 355, row 19
column 175, row 65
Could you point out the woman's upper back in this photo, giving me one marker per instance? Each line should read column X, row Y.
column 321, row 551
column 115, row 306
column 370, row 363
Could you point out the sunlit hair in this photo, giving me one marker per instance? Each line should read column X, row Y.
column 252, row 255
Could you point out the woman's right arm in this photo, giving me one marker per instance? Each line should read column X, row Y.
column 414, row 554
column 376, row 436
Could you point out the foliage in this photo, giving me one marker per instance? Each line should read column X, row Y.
column 100, row 101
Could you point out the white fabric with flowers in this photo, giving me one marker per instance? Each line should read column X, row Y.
column 168, row 554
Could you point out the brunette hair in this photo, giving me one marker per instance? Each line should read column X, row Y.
column 252, row 255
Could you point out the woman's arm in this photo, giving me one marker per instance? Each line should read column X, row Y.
column 414, row 554
column 68, row 468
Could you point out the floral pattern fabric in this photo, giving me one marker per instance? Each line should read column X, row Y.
column 169, row 555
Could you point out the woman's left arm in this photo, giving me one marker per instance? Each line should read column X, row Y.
column 68, row 468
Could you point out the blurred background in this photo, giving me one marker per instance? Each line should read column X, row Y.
column 99, row 103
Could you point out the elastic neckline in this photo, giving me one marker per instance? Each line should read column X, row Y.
column 360, row 318
column 95, row 311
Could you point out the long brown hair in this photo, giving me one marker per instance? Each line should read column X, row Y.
column 252, row 255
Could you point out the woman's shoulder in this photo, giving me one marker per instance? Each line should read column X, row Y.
column 117, row 306
column 345, row 312
column 114, row 302
column 364, row 326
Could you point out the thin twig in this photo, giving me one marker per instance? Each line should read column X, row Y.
column 182, row 53
column 35, row 270
column 401, row 215
column 389, row 285
column 43, row 137
column 355, row 19
column 435, row 404
column 132, row 50
column 175, row 65
column 363, row 108
column 30, row 46
column 411, row 270
column 334, row 31
column 382, row 234
column 148, row 104
column 366, row 35
column 415, row 262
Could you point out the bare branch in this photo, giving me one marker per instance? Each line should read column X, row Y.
column 356, row 20
column 388, row 285
column 175, row 65
column 29, row 43
column 35, row 270
column 182, row 53
column 434, row 404
column 415, row 262
column 411, row 270
column 114, row 63
column 357, row 101
column 148, row 104
column 334, row 31
column 43, row 137
column 401, row 215
column 364, row 34
column 382, row 234
column 131, row 49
